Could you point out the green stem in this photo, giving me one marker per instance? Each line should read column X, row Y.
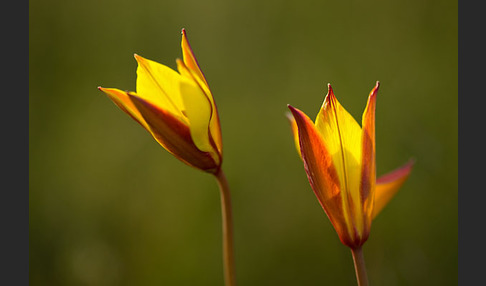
column 227, row 220
column 359, row 266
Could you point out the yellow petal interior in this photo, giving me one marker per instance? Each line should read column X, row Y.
column 190, row 61
column 342, row 136
column 198, row 108
column 160, row 85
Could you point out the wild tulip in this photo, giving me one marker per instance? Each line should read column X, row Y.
column 339, row 159
column 179, row 111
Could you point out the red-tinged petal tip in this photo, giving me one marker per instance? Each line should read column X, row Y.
column 375, row 89
column 405, row 169
column 296, row 113
column 293, row 109
column 183, row 31
column 330, row 98
column 104, row 89
column 138, row 58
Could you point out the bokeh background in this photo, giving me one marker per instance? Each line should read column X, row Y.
column 109, row 206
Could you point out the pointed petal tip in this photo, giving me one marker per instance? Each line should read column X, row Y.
column 296, row 113
column 107, row 89
column 292, row 109
column 407, row 167
column 400, row 172
column 329, row 96
column 329, row 88
column 137, row 57
column 411, row 162
column 184, row 34
column 377, row 86
column 374, row 91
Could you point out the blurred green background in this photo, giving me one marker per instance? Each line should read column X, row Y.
column 109, row 206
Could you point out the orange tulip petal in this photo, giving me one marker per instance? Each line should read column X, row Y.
column 368, row 167
column 173, row 135
column 322, row 174
column 189, row 58
column 121, row 99
column 388, row 185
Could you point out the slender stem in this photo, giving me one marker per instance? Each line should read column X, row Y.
column 359, row 266
column 227, row 219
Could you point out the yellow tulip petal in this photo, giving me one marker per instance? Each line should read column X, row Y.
column 368, row 168
column 178, row 109
column 388, row 185
column 322, row 175
column 121, row 99
column 174, row 135
column 198, row 110
column 342, row 135
column 192, row 65
column 160, row 85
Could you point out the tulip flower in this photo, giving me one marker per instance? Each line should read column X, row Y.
column 339, row 159
column 178, row 110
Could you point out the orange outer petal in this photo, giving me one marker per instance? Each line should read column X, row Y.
column 388, row 185
column 368, row 169
column 321, row 173
column 189, row 58
column 174, row 135
column 121, row 99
